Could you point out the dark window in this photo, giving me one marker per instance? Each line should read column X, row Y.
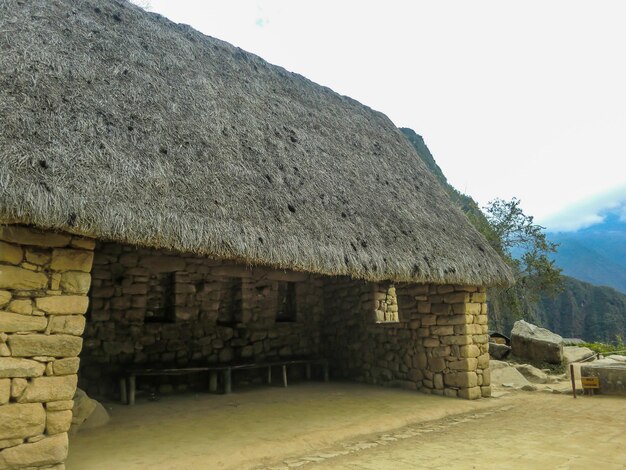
column 160, row 302
column 230, row 302
column 287, row 306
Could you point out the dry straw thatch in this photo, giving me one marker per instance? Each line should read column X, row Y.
column 119, row 124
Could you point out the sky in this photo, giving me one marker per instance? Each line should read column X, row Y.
column 514, row 99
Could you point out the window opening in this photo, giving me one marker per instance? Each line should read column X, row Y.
column 386, row 303
column 287, row 305
column 160, row 301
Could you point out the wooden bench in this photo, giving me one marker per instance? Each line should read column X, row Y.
column 128, row 381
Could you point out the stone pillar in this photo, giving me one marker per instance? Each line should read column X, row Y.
column 454, row 348
column 44, row 280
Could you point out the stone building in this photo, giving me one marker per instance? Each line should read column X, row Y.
column 169, row 199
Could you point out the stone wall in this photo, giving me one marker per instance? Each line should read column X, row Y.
column 218, row 312
column 44, row 279
column 438, row 343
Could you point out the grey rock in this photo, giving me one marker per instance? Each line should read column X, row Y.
column 533, row 374
column 499, row 351
column 537, row 344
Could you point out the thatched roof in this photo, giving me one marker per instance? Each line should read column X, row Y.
column 119, row 124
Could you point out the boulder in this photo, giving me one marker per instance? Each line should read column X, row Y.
column 536, row 344
column 87, row 412
column 532, row 374
column 499, row 351
column 504, row 375
column 617, row 357
column 576, row 354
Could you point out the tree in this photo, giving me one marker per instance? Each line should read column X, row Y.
column 524, row 246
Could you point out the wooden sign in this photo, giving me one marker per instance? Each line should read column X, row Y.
column 590, row 382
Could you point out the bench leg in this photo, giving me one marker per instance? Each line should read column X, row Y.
column 284, row 375
column 308, row 371
column 213, row 381
column 269, row 375
column 123, row 391
column 131, row 389
column 227, row 381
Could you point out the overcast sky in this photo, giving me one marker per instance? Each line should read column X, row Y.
column 524, row 99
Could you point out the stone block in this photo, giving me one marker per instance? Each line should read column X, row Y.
column 441, row 309
column 438, row 381
column 63, row 304
column 5, row 297
column 461, row 379
column 61, row 405
column 24, row 306
column 83, row 243
column 423, row 307
column 454, row 319
column 69, row 324
column 17, row 367
column 436, row 364
column 467, row 308
column 75, row 282
column 58, row 421
column 5, row 391
column 445, row 289
column 28, row 236
column 37, row 257
column 14, row 322
column 12, row 277
column 479, row 297
column 487, row 376
column 483, row 361
column 44, row 345
column 165, row 264
column 470, row 350
column 48, row 451
column 467, row 364
column 18, row 386
column 456, row 340
column 21, row 420
column 66, row 366
column 472, row 393
column 431, row 342
column 456, row 297
column 442, row 330
column 71, row 260
column 43, row 389
column 11, row 254
column 4, row 443
column 485, row 391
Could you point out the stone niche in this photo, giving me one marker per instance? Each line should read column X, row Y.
column 154, row 307
column 44, row 280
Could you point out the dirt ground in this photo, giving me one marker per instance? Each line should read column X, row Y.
column 352, row 426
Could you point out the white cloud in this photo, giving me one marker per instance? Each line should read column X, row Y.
column 588, row 212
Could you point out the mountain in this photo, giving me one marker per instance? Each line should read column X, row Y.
column 580, row 310
column 595, row 254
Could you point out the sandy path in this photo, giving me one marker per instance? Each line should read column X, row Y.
column 247, row 428
column 525, row 431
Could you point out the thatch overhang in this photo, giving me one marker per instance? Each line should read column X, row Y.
column 119, row 124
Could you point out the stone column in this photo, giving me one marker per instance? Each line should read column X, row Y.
column 455, row 341
column 44, row 280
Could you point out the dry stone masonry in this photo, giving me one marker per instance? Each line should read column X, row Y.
column 139, row 307
column 154, row 307
column 438, row 345
column 44, row 280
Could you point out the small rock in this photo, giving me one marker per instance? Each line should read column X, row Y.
column 499, row 351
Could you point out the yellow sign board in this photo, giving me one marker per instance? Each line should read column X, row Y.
column 590, row 382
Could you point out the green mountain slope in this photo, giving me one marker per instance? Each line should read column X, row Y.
column 581, row 310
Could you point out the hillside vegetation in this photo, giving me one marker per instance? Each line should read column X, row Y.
column 577, row 309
